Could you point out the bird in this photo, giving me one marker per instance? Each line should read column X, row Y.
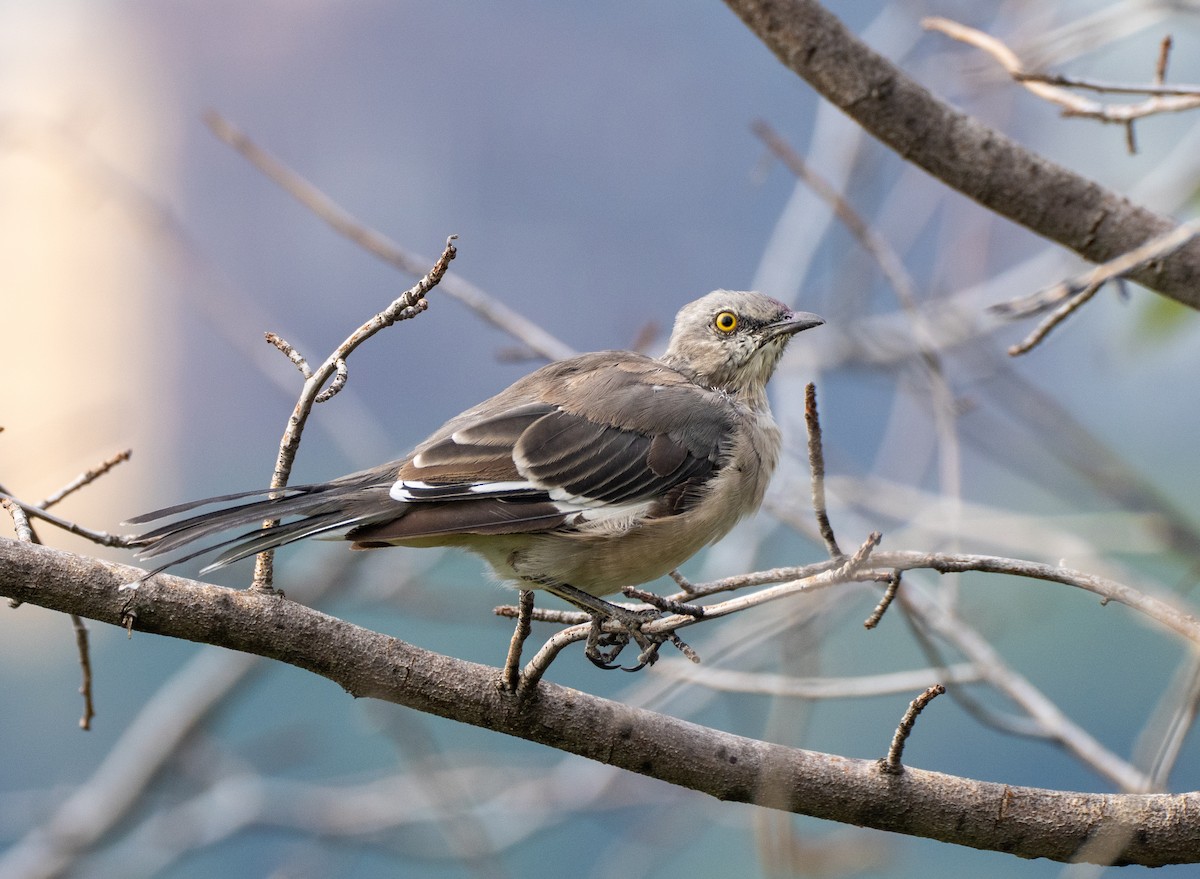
column 589, row 475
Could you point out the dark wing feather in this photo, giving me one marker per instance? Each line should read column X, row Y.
column 556, row 448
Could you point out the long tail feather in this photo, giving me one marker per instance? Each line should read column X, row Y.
column 358, row 499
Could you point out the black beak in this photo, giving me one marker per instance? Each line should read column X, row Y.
column 795, row 322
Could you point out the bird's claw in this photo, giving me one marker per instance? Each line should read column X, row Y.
column 603, row 647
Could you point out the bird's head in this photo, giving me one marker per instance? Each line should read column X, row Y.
column 732, row 340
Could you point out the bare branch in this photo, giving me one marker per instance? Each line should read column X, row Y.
column 20, row 519
column 885, row 602
column 816, row 466
column 85, row 666
column 1026, row 822
column 408, row 305
column 785, row 686
column 102, row 538
column 1074, row 292
column 957, row 149
column 511, row 676
column 492, row 310
column 891, row 763
column 1071, row 103
column 86, row 478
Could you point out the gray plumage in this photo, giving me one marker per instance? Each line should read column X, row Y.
column 598, row 472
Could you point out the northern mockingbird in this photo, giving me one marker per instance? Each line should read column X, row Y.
column 588, row 475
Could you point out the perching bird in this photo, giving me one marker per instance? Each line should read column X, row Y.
column 588, row 475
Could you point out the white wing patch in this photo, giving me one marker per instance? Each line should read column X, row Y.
column 414, row 490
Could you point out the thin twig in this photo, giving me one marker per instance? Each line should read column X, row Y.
column 1056, row 89
column 290, row 352
column 20, row 520
column 85, row 667
column 850, row 570
column 663, row 603
column 1074, row 292
column 26, row 533
column 85, row 478
column 1050, row 721
column 1157, row 87
column 543, row 614
column 541, row 661
column 408, row 305
column 1108, row 87
column 885, row 602
column 102, row 538
column 491, row 310
column 785, row 686
column 891, row 763
column 905, row 288
column 512, row 663
column 816, row 466
column 684, row 584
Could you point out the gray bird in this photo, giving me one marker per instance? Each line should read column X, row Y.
column 588, row 475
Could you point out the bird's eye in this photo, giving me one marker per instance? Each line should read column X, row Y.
column 726, row 322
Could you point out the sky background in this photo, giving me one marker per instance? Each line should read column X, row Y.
column 598, row 165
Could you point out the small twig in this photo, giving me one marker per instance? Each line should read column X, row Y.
column 340, row 377
column 1055, row 89
column 727, row 680
column 1164, row 57
column 21, row 524
column 889, row 595
column 1042, row 330
column 541, row 661
column 408, row 305
column 491, row 310
column 662, row 603
column 512, row 663
column 816, row 466
column 290, row 352
column 902, row 284
column 814, row 577
column 1074, row 292
column 101, row 538
column 543, row 615
column 684, row 584
column 85, row 478
column 891, row 763
column 85, row 667
column 25, row 534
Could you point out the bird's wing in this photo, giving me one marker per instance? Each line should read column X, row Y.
column 625, row 445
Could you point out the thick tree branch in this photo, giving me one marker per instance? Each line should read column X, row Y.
column 1151, row 829
column 957, row 149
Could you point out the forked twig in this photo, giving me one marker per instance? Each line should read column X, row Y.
column 1074, row 292
column 490, row 309
column 1056, row 89
column 408, row 305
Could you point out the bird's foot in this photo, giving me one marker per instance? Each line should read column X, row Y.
column 603, row 647
column 614, row 626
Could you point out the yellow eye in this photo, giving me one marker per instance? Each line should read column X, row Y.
column 726, row 322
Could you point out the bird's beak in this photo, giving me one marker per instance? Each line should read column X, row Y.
column 790, row 325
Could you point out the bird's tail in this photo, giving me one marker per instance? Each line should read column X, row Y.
column 321, row 508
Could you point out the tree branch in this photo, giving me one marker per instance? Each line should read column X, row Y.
column 1153, row 829
column 963, row 153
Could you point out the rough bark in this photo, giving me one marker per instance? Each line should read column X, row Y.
column 1150, row 829
column 962, row 152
